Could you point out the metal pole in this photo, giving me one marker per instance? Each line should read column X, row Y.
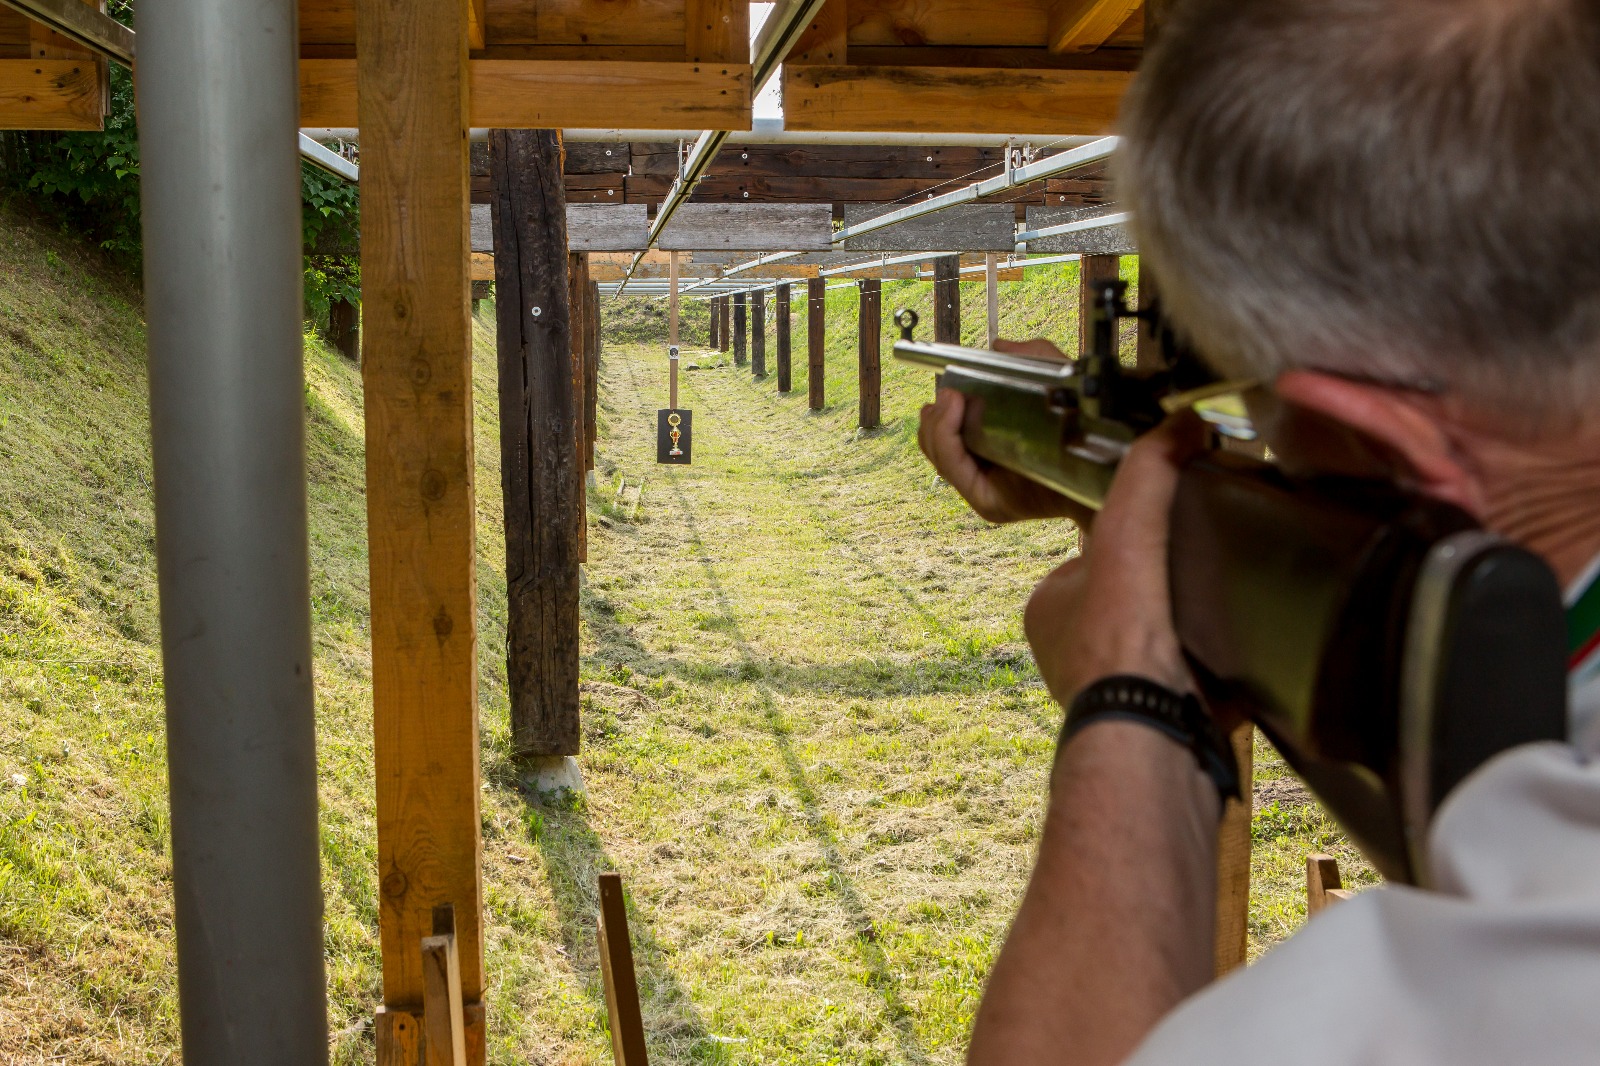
column 672, row 332
column 218, row 111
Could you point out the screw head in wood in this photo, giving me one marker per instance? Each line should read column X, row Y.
column 537, row 311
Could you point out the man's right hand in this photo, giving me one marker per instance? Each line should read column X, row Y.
column 996, row 494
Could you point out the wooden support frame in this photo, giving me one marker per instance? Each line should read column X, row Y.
column 740, row 333
column 417, row 379
column 869, row 363
column 617, row 975
column 547, row 93
column 541, row 426
column 1092, row 271
column 947, row 299
column 758, row 334
column 1085, row 25
column 1324, row 886
column 1232, row 945
column 781, row 300
column 444, row 1023
column 54, row 93
column 816, row 341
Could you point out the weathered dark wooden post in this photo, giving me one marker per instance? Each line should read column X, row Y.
column 344, row 326
column 868, row 368
column 578, row 300
column 739, row 330
column 816, row 339
column 541, row 416
column 1092, row 270
column 725, row 328
column 782, row 335
column 712, row 340
column 947, row 299
column 591, row 397
column 758, row 333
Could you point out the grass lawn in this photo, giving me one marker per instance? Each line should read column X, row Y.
column 814, row 743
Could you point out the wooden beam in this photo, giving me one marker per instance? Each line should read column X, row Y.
column 826, row 40
column 1092, row 271
column 617, row 975
column 1232, row 944
column 716, row 31
column 947, row 299
column 739, row 331
column 747, row 227
column 1102, row 240
column 482, row 266
column 538, row 94
column 758, row 334
column 52, row 94
column 541, row 417
column 868, row 366
column 964, row 228
column 816, row 341
column 1084, row 25
column 417, row 384
column 953, row 100
column 781, row 300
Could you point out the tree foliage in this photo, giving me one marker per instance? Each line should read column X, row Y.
column 90, row 183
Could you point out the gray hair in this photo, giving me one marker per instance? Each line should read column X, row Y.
column 1404, row 189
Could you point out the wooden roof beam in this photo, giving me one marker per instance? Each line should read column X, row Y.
column 1085, row 25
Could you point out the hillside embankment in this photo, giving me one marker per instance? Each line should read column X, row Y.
column 814, row 742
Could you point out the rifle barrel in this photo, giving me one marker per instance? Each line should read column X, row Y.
column 1051, row 372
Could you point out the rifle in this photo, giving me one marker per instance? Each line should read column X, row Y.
column 1383, row 642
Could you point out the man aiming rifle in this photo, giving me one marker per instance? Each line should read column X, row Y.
column 1388, row 212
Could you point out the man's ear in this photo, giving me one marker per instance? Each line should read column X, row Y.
column 1411, row 428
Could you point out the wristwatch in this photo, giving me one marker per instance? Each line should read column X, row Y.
column 1129, row 698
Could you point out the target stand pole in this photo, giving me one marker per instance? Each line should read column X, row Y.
column 672, row 332
column 673, row 427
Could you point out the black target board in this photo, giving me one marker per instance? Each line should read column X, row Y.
column 674, row 434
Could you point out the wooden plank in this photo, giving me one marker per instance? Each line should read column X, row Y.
column 444, row 1028
column 781, row 299
column 831, row 161
column 614, row 22
column 399, row 1036
column 947, row 299
column 816, row 341
column 793, row 227
column 1106, row 240
column 417, row 383
column 975, row 23
column 758, row 334
column 869, row 370
column 1324, row 886
column 540, row 416
column 538, row 94
column 952, row 100
column 482, row 266
column 826, row 40
column 1007, row 56
column 477, row 24
column 52, row 94
column 14, row 39
column 590, row 228
column 617, row 975
column 1092, row 271
column 716, row 31
column 1085, row 25
column 1233, row 864
column 739, row 332
column 965, row 228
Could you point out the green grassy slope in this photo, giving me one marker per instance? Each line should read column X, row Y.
column 814, row 743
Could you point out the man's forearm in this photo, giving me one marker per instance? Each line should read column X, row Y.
column 1116, row 927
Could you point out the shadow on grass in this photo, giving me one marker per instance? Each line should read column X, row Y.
column 574, row 857
column 879, row 977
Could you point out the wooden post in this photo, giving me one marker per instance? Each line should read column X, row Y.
column 868, row 368
column 480, row 293
column 816, row 340
column 617, row 975
column 578, row 363
column 782, row 335
column 712, row 340
column 739, row 332
column 1233, row 863
column 758, row 334
column 344, row 328
column 1324, row 886
column 991, row 279
column 947, row 299
column 444, row 1036
column 540, row 413
column 411, row 77
column 1092, row 270
column 591, row 398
